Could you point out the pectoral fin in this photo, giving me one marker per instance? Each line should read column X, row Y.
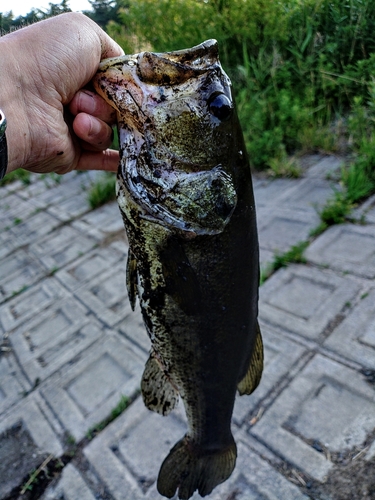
column 131, row 279
column 253, row 375
column 158, row 392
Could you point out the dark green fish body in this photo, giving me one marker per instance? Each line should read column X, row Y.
column 185, row 193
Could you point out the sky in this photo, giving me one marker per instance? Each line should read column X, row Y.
column 22, row 7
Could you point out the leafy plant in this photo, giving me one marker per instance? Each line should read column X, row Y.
column 295, row 65
column 102, row 191
column 336, row 209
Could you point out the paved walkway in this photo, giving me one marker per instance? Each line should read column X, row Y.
column 71, row 348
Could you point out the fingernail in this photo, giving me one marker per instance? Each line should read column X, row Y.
column 86, row 102
column 95, row 127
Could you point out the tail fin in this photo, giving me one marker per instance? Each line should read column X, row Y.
column 188, row 470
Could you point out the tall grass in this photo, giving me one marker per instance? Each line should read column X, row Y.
column 295, row 64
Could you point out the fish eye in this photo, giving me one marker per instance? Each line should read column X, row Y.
column 220, row 107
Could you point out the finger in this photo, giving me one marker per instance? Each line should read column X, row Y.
column 85, row 101
column 109, row 48
column 93, row 131
column 107, row 160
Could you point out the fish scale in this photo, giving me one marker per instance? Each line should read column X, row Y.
column 185, row 192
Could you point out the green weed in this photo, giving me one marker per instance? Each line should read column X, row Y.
column 102, row 191
column 17, row 175
column 20, row 290
column 317, row 137
column 284, row 167
column 33, row 476
column 119, row 408
column 318, row 230
column 336, row 209
column 51, row 178
column 294, row 255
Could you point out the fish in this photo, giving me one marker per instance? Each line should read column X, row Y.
column 185, row 193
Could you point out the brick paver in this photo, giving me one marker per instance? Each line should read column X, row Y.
column 71, row 348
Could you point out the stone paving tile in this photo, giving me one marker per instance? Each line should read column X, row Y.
column 365, row 211
column 307, row 194
column 14, row 209
column 30, row 191
column 327, row 404
column 33, row 228
column 127, row 455
column 370, row 213
column 30, row 303
column 346, row 247
column 53, row 337
column 106, row 295
column 266, row 258
column 304, row 300
column 269, row 191
column 27, row 437
column 70, row 486
column 18, row 271
column 92, row 264
column 8, row 245
column 371, row 452
column 326, row 166
column 85, row 393
column 61, row 247
column 354, row 338
column 83, row 369
column 101, row 222
column 134, row 329
column 13, row 383
column 48, row 192
column 280, row 228
column 72, row 207
column 254, row 479
column 280, row 354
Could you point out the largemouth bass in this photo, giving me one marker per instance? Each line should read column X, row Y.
column 185, row 193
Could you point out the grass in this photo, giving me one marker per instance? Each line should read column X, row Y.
column 33, row 476
column 117, row 410
column 17, row 175
column 19, row 291
column 284, row 167
column 102, row 191
column 294, row 255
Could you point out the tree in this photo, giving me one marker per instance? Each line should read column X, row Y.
column 103, row 11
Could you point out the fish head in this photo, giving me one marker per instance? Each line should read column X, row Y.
column 176, row 120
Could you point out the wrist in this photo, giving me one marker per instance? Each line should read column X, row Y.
column 13, row 105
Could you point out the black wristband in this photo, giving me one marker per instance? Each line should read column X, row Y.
column 3, row 146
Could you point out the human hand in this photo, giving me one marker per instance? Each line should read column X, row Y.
column 54, row 125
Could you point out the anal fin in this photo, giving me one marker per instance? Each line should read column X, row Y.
column 254, row 372
column 158, row 392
